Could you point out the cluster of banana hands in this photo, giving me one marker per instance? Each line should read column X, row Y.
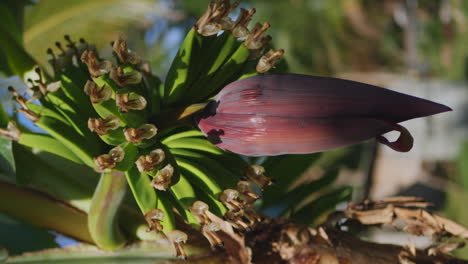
column 120, row 119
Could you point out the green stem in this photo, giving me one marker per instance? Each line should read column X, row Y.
column 102, row 218
column 44, row 211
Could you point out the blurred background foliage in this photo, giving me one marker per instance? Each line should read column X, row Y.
column 423, row 38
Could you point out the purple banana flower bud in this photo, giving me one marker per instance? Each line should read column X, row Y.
column 295, row 114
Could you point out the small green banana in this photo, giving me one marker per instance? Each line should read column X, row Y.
column 47, row 143
column 153, row 87
column 59, row 128
column 202, row 180
column 225, row 177
column 222, row 48
column 182, row 66
column 184, row 196
column 131, row 155
column 69, row 111
column 200, row 144
column 185, row 134
column 164, row 204
column 232, row 65
column 140, row 184
column 72, row 83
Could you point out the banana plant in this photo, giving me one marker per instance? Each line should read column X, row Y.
column 174, row 144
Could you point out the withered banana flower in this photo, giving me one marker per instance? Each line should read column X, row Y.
column 294, row 114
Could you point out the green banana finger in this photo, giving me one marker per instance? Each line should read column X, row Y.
column 220, row 51
column 102, row 218
column 72, row 85
column 229, row 68
column 130, row 156
column 200, row 144
column 164, row 204
column 153, row 86
column 226, row 44
column 225, row 177
column 47, row 143
column 184, row 196
column 178, row 75
column 44, row 111
column 185, row 134
column 114, row 137
column 144, row 194
column 198, row 176
column 68, row 137
column 68, row 110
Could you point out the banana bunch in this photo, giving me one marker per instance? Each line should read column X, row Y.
column 124, row 122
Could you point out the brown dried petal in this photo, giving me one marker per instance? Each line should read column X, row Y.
column 136, row 135
column 11, row 132
column 108, row 161
column 147, row 163
column 162, row 180
column 95, row 68
column 97, row 94
column 154, row 218
column 122, row 79
column 102, row 126
column 131, row 101
column 124, row 55
column 269, row 60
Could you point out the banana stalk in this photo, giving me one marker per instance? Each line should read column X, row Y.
column 103, row 214
column 43, row 211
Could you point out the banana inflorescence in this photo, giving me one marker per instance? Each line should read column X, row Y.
column 120, row 119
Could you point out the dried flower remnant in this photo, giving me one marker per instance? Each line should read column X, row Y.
column 110, row 160
column 269, row 60
column 246, row 193
column 411, row 214
column 11, row 132
column 33, row 117
column 163, row 178
column 154, row 218
column 278, row 114
column 216, row 18
column 147, row 163
column 256, row 38
column 103, row 126
column 209, row 231
column 124, row 55
column 199, row 209
column 96, row 94
column 256, row 174
column 130, row 101
column 95, row 67
column 178, row 238
column 240, row 30
column 209, row 228
column 229, row 198
column 39, row 88
column 122, row 78
column 136, row 135
column 236, row 220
